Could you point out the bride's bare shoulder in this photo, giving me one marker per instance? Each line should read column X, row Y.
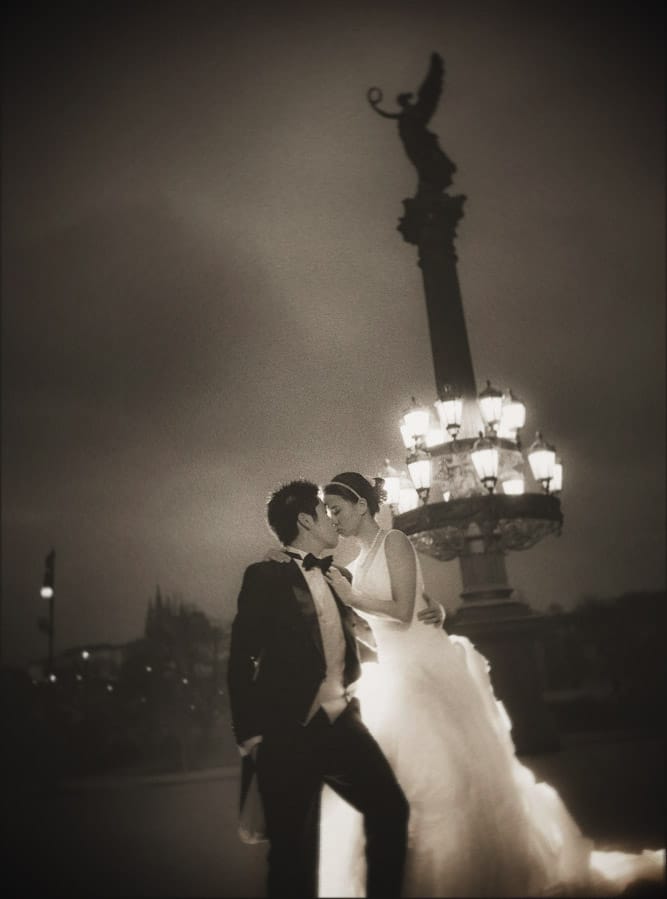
column 397, row 542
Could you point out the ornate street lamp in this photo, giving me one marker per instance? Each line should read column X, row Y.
column 472, row 474
column 435, row 437
column 514, row 486
column 392, row 485
column 406, row 437
column 484, row 457
column 408, row 499
column 419, row 466
column 401, row 494
column 491, row 406
column 415, row 425
column 512, row 417
column 542, row 458
column 450, row 412
column 47, row 592
column 557, row 480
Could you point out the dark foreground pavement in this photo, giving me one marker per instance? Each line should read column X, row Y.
column 176, row 835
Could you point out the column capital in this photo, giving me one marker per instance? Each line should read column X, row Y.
column 431, row 218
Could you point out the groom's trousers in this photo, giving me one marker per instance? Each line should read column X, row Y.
column 292, row 765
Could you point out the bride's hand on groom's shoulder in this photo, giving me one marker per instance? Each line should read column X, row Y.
column 433, row 614
column 276, row 554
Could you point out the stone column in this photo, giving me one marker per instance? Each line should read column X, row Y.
column 429, row 223
column 502, row 628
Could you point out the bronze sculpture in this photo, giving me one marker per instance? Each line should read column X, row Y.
column 434, row 167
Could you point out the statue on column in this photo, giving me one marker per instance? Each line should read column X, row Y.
column 434, row 167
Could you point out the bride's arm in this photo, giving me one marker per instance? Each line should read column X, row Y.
column 403, row 577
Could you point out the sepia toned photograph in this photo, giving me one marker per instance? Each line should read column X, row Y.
column 333, row 449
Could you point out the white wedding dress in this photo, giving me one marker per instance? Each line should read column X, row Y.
column 480, row 824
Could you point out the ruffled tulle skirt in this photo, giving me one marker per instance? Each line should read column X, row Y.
column 480, row 824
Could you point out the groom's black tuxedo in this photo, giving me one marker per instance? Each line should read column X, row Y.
column 276, row 666
column 276, row 661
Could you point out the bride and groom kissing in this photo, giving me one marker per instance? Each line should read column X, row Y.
column 397, row 778
column 293, row 663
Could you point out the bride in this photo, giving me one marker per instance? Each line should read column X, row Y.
column 480, row 824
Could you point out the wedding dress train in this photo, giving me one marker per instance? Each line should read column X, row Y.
column 480, row 823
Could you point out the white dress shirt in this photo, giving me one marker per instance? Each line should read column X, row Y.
column 331, row 696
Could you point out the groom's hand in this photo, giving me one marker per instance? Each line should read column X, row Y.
column 250, row 747
column 433, row 614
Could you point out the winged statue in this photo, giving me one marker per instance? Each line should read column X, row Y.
column 434, row 167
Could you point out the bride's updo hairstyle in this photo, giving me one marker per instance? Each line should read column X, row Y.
column 352, row 486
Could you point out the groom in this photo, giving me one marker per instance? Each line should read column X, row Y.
column 292, row 662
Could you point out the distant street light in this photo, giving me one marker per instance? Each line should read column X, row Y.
column 47, row 592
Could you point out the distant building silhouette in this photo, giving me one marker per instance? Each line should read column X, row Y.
column 159, row 702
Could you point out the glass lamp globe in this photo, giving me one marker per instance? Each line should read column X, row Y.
column 512, row 417
column 484, row 457
column 491, row 405
column 419, row 466
column 542, row 459
column 406, row 436
column 514, row 486
column 450, row 412
column 392, row 483
column 435, row 437
column 416, row 422
column 556, row 484
column 408, row 499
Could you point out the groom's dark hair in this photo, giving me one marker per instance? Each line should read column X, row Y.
column 286, row 503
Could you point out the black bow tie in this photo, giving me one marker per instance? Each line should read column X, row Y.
column 311, row 561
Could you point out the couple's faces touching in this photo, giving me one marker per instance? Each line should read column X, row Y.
column 321, row 528
column 335, row 516
column 346, row 516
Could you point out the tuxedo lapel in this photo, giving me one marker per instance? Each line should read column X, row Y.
column 306, row 606
column 344, row 613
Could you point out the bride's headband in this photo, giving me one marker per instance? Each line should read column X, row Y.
column 347, row 487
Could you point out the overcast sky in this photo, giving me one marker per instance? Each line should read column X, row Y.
column 204, row 292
